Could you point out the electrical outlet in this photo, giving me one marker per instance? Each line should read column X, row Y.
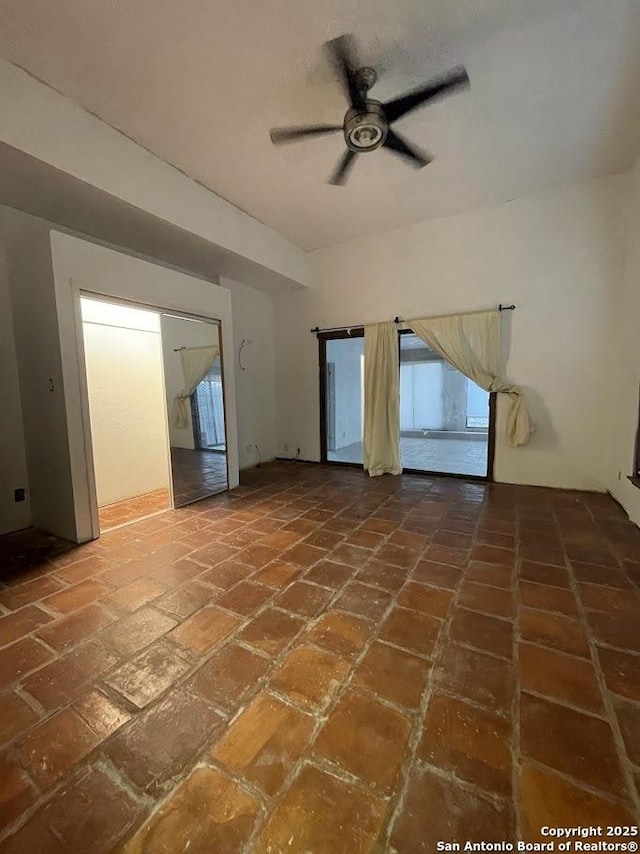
column 249, row 448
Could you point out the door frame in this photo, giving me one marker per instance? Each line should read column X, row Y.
column 82, row 264
column 358, row 332
column 330, row 403
column 79, row 293
column 323, row 337
column 491, row 437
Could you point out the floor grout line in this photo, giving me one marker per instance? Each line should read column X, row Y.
column 438, row 506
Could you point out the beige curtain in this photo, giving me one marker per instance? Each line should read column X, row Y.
column 381, row 400
column 196, row 364
column 471, row 343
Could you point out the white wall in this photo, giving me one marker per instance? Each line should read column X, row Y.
column 13, row 462
column 178, row 332
column 127, row 407
column 109, row 272
column 255, row 389
column 624, row 376
column 80, row 265
column 556, row 255
column 44, row 124
column 42, row 391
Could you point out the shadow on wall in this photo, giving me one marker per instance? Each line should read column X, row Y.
column 506, row 320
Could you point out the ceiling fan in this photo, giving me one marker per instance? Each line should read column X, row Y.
column 367, row 123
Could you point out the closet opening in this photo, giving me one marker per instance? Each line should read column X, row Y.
column 123, row 361
column 156, row 408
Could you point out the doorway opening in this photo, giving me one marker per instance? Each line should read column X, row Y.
column 123, row 360
column 156, row 409
column 446, row 420
column 444, row 416
column 342, row 396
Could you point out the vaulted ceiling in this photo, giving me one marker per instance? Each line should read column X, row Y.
column 553, row 98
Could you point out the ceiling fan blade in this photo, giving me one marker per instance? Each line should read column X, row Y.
column 292, row 134
column 342, row 53
column 343, row 168
column 439, row 87
column 397, row 144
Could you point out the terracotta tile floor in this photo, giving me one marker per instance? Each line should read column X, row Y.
column 319, row 662
column 132, row 509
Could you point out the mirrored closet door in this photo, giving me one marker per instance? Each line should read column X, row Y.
column 194, row 387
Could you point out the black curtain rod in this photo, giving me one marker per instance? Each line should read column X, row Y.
column 317, row 329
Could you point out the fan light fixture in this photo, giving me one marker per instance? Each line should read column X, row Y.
column 367, row 123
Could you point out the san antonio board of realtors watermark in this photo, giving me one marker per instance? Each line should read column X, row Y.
column 588, row 838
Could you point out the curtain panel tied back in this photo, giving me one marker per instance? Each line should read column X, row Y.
column 381, row 433
column 471, row 343
column 196, row 364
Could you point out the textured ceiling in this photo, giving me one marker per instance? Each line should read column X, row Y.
column 553, row 98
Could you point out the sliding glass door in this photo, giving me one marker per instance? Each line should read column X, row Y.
column 444, row 417
column 342, row 395
column 446, row 421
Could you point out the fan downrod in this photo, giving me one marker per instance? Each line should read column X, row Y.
column 365, row 78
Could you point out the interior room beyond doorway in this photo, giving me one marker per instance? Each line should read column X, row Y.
column 123, row 358
column 156, row 404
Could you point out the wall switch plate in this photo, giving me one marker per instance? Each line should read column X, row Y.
column 19, row 495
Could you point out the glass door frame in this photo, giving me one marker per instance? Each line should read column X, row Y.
column 323, row 337
column 358, row 332
column 491, row 436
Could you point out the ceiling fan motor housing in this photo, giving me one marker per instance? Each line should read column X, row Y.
column 366, row 124
column 365, row 130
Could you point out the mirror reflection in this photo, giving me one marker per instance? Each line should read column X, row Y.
column 195, row 405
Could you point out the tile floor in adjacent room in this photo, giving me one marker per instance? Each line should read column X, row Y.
column 454, row 456
column 322, row 662
column 131, row 509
